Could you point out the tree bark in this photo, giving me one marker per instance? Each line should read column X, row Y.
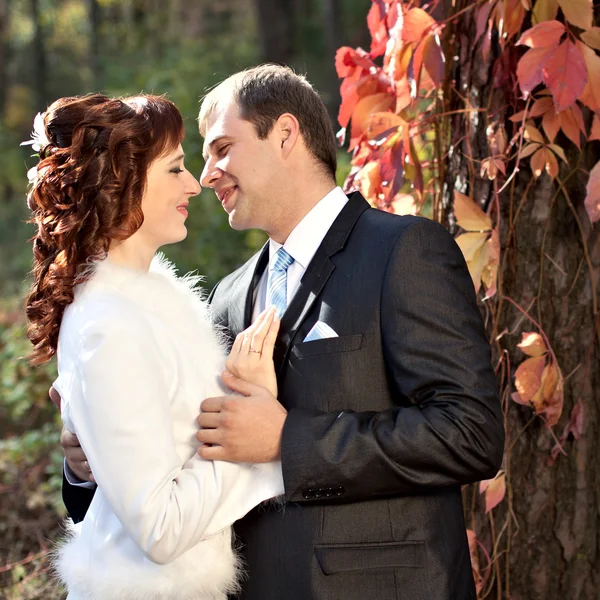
column 552, row 270
column 333, row 40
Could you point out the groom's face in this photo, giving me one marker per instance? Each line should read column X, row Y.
column 241, row 168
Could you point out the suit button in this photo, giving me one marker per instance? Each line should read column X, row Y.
column 339, row 491
column 308, row 494
column 328, row 492
column 318, row 493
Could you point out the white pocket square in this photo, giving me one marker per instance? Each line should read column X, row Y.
column 320, row 331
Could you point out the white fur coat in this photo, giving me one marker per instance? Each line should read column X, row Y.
column 137, row 355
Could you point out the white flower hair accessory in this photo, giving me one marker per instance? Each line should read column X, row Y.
column 39, row 139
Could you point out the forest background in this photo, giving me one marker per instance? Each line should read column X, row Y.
column 483, row 115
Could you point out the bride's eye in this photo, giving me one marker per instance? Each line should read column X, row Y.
column 177, row 170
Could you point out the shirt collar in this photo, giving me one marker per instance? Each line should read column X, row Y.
column 305, row 239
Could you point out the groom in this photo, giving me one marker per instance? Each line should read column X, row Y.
column 382, row 361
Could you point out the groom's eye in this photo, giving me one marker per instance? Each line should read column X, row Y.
column 223, row 149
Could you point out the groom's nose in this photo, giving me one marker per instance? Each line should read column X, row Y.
column 210, row 175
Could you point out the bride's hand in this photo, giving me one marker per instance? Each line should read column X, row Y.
column 251, row 357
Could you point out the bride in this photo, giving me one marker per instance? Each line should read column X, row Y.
column 136, row 354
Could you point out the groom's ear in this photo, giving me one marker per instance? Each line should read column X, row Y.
column 287, row 130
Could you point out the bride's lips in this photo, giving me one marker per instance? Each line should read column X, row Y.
column 183, row 209
column 225, row 196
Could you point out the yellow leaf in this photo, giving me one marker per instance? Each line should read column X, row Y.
column 475, row 251
column 489, row 274
column 578, row 12
column 468, row 215
column 544, row 10
column 532, row 344
column 369, row 180
column 592, row 37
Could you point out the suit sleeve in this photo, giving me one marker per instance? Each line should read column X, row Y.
column 119, row 406
column 438, row 357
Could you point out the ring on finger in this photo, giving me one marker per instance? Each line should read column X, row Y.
column 255, row 351
column 86, row 464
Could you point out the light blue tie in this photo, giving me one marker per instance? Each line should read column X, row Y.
column 277, row 281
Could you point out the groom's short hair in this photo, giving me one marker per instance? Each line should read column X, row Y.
column 263, row 94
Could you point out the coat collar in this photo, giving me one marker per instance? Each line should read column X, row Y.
column 314, row 279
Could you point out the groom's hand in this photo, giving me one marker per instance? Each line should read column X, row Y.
column 241, row 429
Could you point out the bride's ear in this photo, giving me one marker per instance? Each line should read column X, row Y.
column 287, row 130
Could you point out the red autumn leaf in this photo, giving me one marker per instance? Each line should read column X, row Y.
column 392, row 170
column 592, row 199
column 578, row 12
column 543, row 34
column 380, row 123
column 592, row 37
column 532, row 344
column 413, row 159
column 494, row 490
column 483, row 13
column 376, row 21
column 595, row 133
column 544, row 10
column 528, row 378
column 347, row 59
column 551, row 124
column 565, row 74
column 416, row 23
column 591, row 92
column 433, row 58
column 352, row 91
column 529, row 69
column 468, row 215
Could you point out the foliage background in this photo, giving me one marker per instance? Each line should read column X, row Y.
column 53, row 48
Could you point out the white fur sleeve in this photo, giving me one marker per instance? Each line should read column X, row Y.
column 119, row 406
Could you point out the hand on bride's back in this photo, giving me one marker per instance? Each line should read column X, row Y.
column 251, row 357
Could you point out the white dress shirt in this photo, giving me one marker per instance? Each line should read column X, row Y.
column 302, row 244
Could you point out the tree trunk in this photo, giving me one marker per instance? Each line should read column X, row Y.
column 40, row 63
column 333, row 40
column 549, row 548
column 94, row 44
column 4, row 54
column 276, row 29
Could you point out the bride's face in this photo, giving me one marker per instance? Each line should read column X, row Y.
column 169, row 188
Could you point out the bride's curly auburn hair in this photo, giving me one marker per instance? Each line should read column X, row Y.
column 87, row 193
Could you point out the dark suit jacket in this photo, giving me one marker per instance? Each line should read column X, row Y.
column 385, row 423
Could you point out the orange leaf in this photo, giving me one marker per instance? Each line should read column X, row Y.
column 592, row 199
column 404, row 204
column 595, row 133
column 558, row 151
column 568, row 124
column 551, row 165
column 551, row 124
column 549, row 398
column 365, row 108
column 433, row 58
column 565, row 74
column 474, row 249
column 541, row 106
column 592, row 37
column 543, row 34
column 380, row 122
column 352, row 90
column 533, row 134
column 529, row 68
column 529, row 149
column 369, row 180
column 545, row 10
column 533, row 344
column 416, row 24
column 468, row 215
column 494, row 489
column 528, row 378
column 591, row 92
column 538, row 162
column 578, row 12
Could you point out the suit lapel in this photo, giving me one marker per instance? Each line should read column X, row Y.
column 314, row 279
column 242, row 300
